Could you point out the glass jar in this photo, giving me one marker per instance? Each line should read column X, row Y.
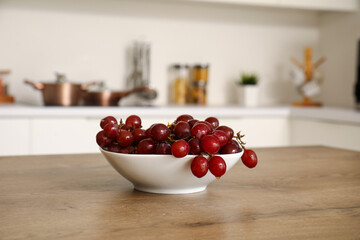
column 180, row 87
column 199, row 83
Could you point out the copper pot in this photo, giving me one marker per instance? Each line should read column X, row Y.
column 112, row 98
column 60, row 93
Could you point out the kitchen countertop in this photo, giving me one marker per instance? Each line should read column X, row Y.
column 293, row 193
column 324, row 113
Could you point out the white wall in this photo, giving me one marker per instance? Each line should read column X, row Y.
column 88, row 40
column 339, row 36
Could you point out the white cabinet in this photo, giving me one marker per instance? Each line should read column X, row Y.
column 318, row 5
column 14, row 136
column 334, row 134
column 325, row 5
column 67, row 135
column 24, row 136
column 265, row 3
column 262, row 131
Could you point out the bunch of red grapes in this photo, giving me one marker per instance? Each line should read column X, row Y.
column 205, row 139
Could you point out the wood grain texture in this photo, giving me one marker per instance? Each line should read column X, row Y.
column 294, row 193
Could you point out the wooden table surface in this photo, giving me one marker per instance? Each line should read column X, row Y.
column 294, row 193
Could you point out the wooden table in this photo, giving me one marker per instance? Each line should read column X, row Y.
column 294, row 193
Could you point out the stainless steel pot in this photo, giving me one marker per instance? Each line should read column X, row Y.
column 60, row 92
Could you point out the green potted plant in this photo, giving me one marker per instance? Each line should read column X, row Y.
column 248, row 90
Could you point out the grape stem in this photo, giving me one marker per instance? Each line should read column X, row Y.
column 120, row 124
column 239, row 140
column 170, row 139
column 208, row 154
column 169, row 126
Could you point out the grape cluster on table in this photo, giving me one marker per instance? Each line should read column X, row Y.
column 207, row 140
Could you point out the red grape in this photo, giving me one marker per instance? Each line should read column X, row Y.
column 199, row 166
column 210, row 144
column 163, row 148
column 106, row 120
column 221, row 136
column 111, row 130
column 133, row 121
column 125, row 138
column 228, row 131
column 213, row 121
column 114, row 147
column 249, row 158
column 192, row 122
column 194, row 144
column 199, row 130
column 184, row 118
column 139, row 134
column 180, row 148
column 102, row 140
column 236, row 144
column 131, row 149
column 182, row 130
column 159, row 132
column 230, row 148
column 146, row 146
column 124, row 150
column 217, row 166
column 148, row 131
column 126, row 127
column 210, row 127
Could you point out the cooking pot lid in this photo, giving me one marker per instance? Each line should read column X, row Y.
column 60, row 79
column 99, row 87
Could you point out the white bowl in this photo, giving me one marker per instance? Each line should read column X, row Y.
column 163, row 173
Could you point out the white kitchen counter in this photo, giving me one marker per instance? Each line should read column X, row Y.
column 343, row 115
column 324, row 113
column 46, row 130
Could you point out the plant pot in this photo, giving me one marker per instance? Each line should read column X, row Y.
column 248, row 95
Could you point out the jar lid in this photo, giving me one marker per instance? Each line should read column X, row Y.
column 199, row 65
column 199, row 84
column 178, row 66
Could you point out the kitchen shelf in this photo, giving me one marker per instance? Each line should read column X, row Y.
column 316, row 5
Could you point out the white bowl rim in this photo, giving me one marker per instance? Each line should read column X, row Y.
column 167, row 155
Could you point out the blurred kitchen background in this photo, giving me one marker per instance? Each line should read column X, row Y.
column 94, row 41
